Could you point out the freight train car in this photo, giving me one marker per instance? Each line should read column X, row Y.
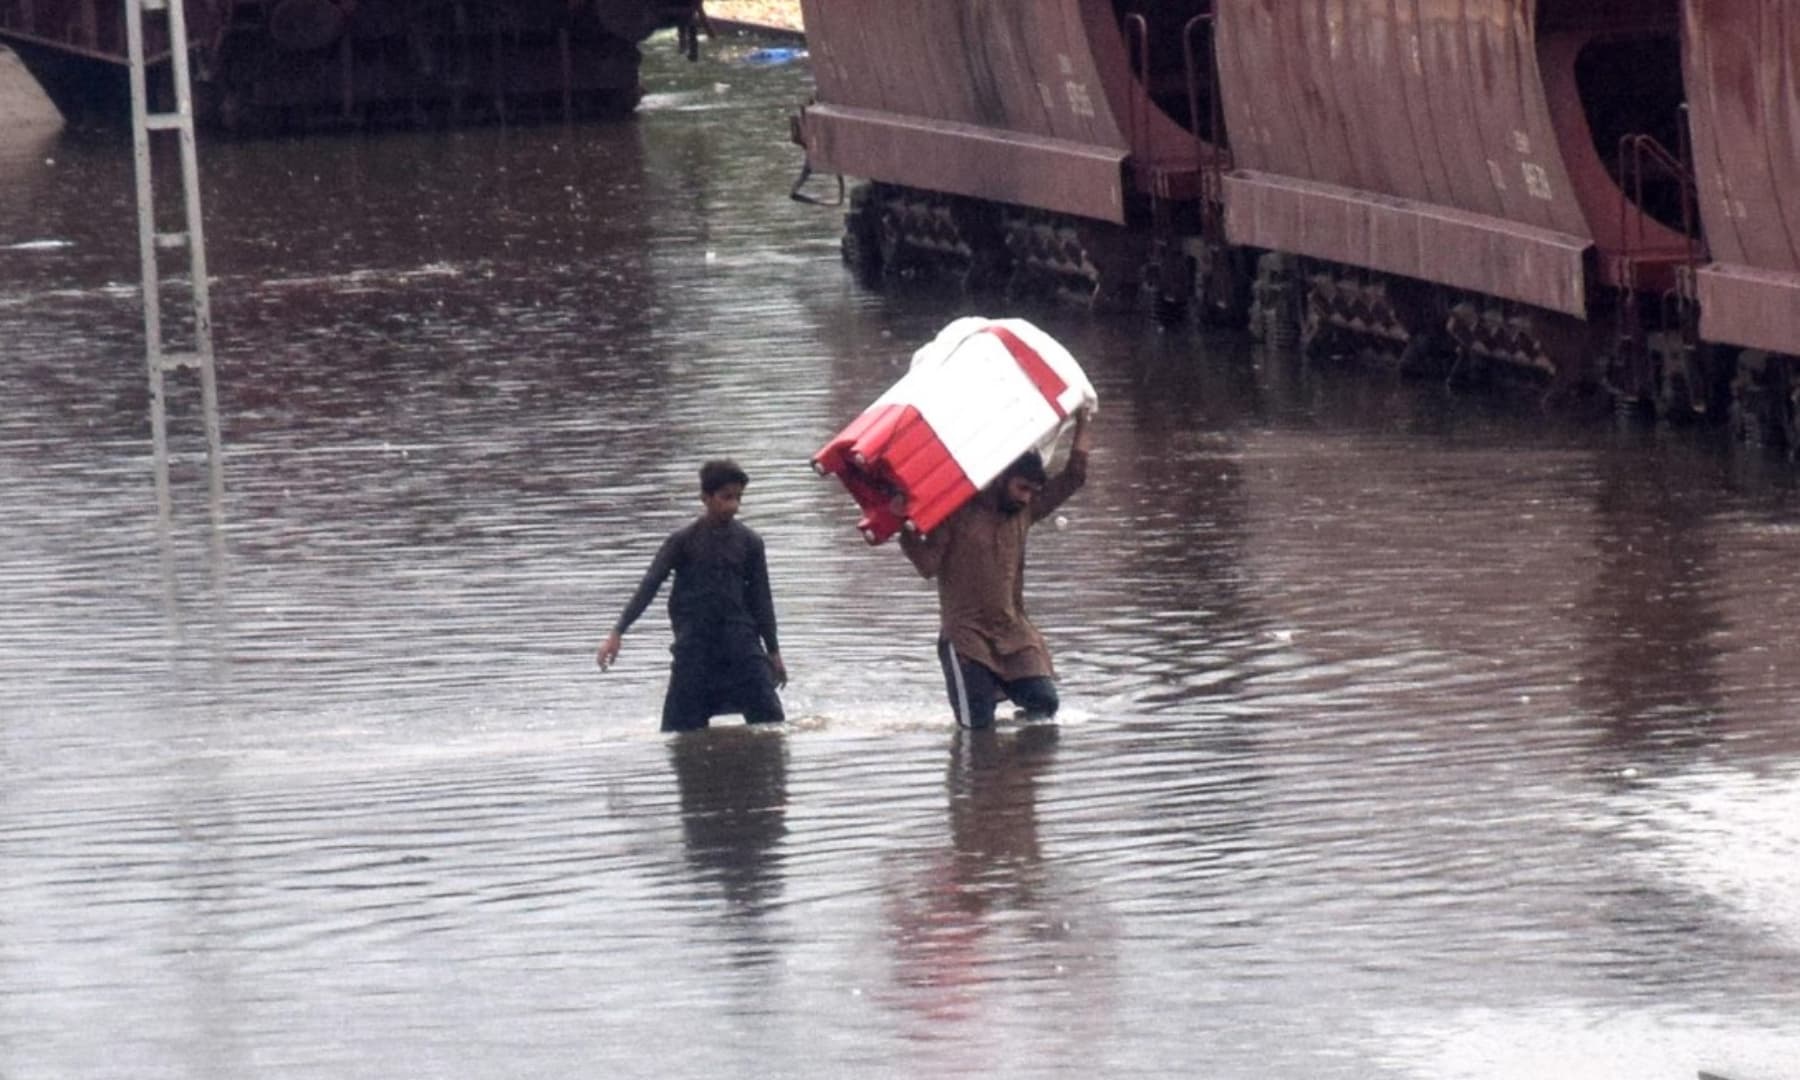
column 1595, row 193
column 1012, row 140
column 273, row 64
column 1742, row 66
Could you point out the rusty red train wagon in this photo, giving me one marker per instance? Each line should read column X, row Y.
column 1010, row 136
column 262, row 64
column 1600, row 193
column 1742, row 66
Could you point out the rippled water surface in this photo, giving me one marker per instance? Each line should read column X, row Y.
column 1406, row 735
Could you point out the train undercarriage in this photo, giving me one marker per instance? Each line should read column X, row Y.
column 892, row 232
column 1651, row 364
column 1521, row 202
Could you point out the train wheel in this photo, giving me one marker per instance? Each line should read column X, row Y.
column 861, row 245
column 1686, row 387
column 1274, row 306
column 988, row 271
column 1170, row 284
column 1425, row 355
column 1744, row 419
column 983, row 234
column 1224, row 286
column 1320, row 336
column 1788, row 400
column 1764, row 410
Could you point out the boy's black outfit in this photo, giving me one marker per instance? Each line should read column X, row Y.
column 723, row 616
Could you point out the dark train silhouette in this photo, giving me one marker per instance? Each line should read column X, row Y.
column 263, row 65
column 1603, row 194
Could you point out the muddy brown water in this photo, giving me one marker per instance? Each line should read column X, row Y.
column 1407, row 735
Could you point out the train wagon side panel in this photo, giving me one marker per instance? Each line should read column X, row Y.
column 1515, row 119
column 1032, row 102
column 1265, row 129
column 1456, row 122
column 986, row 65
column 1744, row 104
column 1378, row 37
column 1513, row 228
column 1417, row 101
column 1471, row 252
column 990, row 101
column 968, row 159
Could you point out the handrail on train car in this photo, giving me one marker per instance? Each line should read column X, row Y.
column 1137, row 37
column 1138, row 123
column 1638, row 154
column 1209, row 149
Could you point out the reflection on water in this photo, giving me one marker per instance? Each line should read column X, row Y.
column 993, row 866
column 988, row 936
column 1654, row 600
column 733, row 812
column 1405, row 735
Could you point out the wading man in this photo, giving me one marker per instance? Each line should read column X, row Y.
column 726, row 658
column 986, row 643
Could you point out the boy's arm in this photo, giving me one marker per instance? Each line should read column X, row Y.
column 1074, row 474
column 660, row 568
column 762, row 598
column 762, row 609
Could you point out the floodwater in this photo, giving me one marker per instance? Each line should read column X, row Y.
column 1407, row 735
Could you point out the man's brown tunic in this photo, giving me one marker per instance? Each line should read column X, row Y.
column 978, row 560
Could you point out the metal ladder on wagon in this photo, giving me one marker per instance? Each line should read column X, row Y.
column 196, row 354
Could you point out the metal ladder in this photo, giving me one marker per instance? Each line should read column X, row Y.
column 161, row 357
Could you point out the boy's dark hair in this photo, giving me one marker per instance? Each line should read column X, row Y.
column 1029, row 467
column 716, row 474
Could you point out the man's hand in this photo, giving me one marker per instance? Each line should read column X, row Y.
column 609, row 651
column 780, row 669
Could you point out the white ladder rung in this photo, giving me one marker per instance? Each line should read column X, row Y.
column 168, row 121
column 172, row 239
column 156, row 5
column 180, row 361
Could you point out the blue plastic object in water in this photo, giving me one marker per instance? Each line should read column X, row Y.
column 774, row 56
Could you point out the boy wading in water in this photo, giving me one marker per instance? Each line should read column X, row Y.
column 720, row 609
column 986, row 643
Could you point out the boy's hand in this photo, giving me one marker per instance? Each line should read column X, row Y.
column 780, row 669
column 609, row 651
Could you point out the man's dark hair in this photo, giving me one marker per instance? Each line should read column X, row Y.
column 716, row 474
column 1029, row 467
